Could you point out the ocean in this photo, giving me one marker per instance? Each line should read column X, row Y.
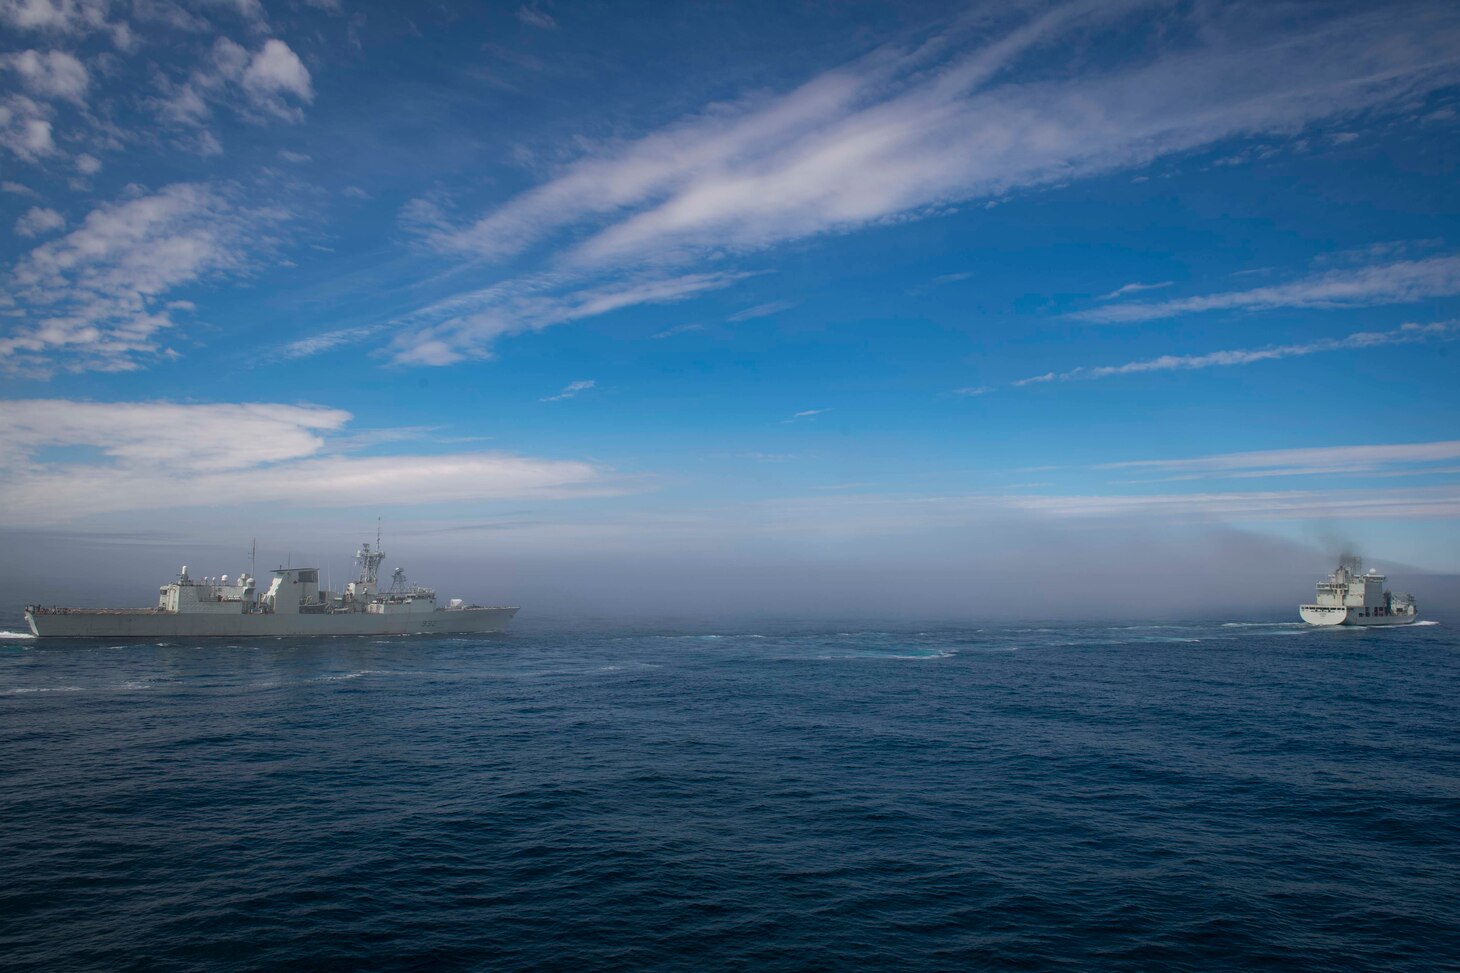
column 1196, row 796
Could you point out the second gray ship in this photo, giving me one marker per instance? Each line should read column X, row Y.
column 293, row 605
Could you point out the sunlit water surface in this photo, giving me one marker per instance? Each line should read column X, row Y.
column 1198, row 796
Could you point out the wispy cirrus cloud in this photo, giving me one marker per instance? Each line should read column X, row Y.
column 977, row 111
column 571, row 390
column 1392, row 283
column 677, row 330
column 874, row 512
column 1406, row 334
column 95, row 299
column 1134, row 288
column 1416, row 504
column 1410, row 458
column 165, row 455
column 327, row 341
column 533, row 15
column 466, row 325
column 761, row 311
column 901, row 131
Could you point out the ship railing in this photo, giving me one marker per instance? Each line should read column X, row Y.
column 57, row 610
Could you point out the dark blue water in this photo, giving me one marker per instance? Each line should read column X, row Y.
column 1199, row 796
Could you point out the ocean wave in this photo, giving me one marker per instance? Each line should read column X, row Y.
column 16, row 635
column 343, row 676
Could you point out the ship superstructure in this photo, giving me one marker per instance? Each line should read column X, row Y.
column 293, row 604
column 1351, row 597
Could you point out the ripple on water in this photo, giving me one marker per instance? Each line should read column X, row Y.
column 1184, row 796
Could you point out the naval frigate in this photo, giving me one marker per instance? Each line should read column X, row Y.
column 293, row 605
column 1351, row 597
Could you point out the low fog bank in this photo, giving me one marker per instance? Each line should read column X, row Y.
column 1007, row 572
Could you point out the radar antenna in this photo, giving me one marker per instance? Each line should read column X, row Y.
column 369, row 561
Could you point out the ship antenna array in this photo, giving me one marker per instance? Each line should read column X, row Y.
column 369, row 560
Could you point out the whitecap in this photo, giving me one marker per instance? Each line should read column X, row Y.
column 340, row 677
column 16, row 635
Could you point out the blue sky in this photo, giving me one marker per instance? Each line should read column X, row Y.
column 925, row 288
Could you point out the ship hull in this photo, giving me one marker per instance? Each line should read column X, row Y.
column 79, row 624
column 1326, row 616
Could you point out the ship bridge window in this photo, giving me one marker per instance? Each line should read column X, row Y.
column 310, row 576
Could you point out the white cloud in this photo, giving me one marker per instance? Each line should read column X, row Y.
column 761, row 311
column 953, row 278
column 94, row 298
column 25, row 129
column 677, row 329
column 1131, row 512
column 37, row 220
column 973, row 390
column 67, row 17
column 58, row 16
column 171, row 436
column 328, row 341
column 533, row 17
column 1135, row 288
column 465, row 326
column 163, row 455
column 570, row 390
column 1306, row 461
column 1393, row 283
column 805, row 414
column 898, row 133
column 1405, row 334
column 972, row 114
column 88, row 165
column 1426, row 504
column 275, row 71
column 54, row 74
column 272, row 81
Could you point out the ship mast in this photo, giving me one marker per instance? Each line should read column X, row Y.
column 369, row 560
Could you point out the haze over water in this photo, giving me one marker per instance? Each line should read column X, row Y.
column 662, row 319
column 1184, row 796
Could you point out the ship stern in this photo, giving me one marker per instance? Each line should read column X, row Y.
column 1324, row 615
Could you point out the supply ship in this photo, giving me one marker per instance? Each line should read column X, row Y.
column 293, row 605
column 1351, row 597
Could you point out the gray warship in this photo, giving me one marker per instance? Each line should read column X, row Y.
column 1351, row 597
column 293, row 605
